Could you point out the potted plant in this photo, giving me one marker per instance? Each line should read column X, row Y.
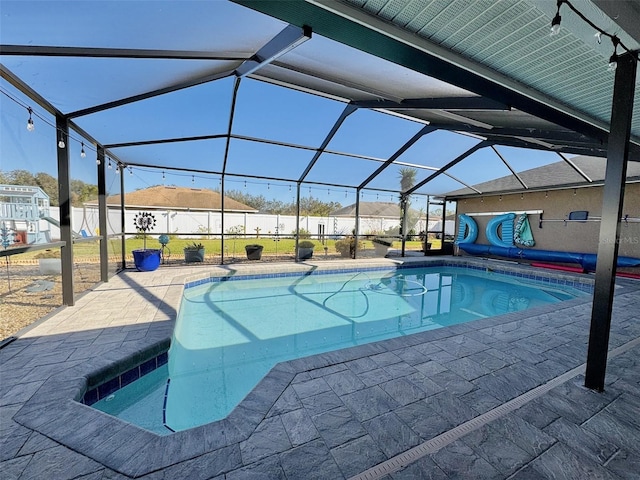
column 347, row 247
column 49, row 262
column 305, row 249
column 254, row 251
column 145, row 260
column 194, row 252
column 381, row 245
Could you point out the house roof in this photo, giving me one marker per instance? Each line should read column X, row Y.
column 369, row 209
column 179, row 198
column 555, row 175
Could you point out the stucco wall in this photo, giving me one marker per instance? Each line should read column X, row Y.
column 556, row 205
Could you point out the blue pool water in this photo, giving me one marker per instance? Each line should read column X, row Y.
column 228, row 335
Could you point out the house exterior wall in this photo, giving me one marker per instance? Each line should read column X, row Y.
column 556, row 205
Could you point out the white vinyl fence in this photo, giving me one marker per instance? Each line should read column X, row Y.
column 180, row 222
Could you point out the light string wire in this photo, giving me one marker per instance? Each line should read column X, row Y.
column 214, row 178
column 615, row 40
column 122, row 166
column 88, row 145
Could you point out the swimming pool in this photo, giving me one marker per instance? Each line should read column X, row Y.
column 229, row 334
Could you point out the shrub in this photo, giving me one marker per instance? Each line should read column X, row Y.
column 346, row 247
column 303, row 233
column 306, row 244
column 194, row 246
column 48, row 254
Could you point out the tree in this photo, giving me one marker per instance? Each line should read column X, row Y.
column 315, row 207
column 255, row 201
column 50, row 186
column 407, row 180
column 80, row 191
column 308, row 205
column 21, row 177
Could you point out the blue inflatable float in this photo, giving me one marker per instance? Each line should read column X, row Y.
column 586, row 260
column 502, row 245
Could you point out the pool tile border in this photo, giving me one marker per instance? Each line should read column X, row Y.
column 580, row 282
column 114, row 384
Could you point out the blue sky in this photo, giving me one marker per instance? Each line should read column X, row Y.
column 263, row 110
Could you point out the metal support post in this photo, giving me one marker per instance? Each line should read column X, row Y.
column 298, row 186
column 404, row 203
column 102, row 216
column 613, row 196
column 64, row 199
column 123, row 227
column 356, row 229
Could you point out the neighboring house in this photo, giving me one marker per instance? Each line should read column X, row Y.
column 370, row 209
column 556, row 190
column 557, row 175
column 379, row 216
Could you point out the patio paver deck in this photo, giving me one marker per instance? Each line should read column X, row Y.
column 333, row 415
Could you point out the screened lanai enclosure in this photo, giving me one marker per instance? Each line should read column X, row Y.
column 344, row 123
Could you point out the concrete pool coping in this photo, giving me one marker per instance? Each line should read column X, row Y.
column 55, row 412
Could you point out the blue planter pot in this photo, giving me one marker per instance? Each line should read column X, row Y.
column 146, row 260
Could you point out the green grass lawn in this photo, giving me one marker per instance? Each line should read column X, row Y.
column 270, row 246
column 233, row 246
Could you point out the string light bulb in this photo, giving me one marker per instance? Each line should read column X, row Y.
column 163, row 174
column 98, row 162
column 30, row 126
column 61, row 143
column 109, row 163
column 555, row 29
column 130, row 172
column 193, row 179
column 555, row 23
column 83, row 154
column 118, row 169
column 613, row 60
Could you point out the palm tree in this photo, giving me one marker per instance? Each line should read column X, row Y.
column 407, row 180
